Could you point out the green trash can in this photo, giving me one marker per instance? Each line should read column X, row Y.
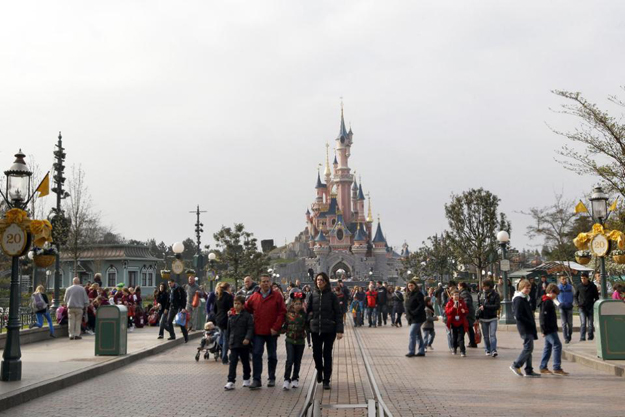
column 111, row 337
column 610, row 327
column 200, row 317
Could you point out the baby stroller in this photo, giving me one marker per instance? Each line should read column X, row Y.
column 209, row 343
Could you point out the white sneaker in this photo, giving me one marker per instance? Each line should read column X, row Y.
column 229, row 386
column 494, row 353
column 89, row 332
column 295, row 383
column 131, row 329
column 286, row 386
column 487, row 353
column 246, row 383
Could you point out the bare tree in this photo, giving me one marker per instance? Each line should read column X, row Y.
column 603, row 137
column 84, row 221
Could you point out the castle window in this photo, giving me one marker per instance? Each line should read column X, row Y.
column 339, row 234
column 333, row 222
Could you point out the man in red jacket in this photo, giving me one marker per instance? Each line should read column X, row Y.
column 269, row 310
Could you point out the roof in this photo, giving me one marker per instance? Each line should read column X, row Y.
column 355, row 185
column 559, row 266
column 335, row 161
column 342, row 130
column 361, row 195
column 333, row 207
column 112, row 252
column 379, row 236
column 320, row 238
column 319, row 183
column 361, row 235
column 340, row 223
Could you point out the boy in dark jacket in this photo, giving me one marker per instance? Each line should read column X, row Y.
column 549, row 329
column 585, row 297
column 526, row 325
column 240, row 333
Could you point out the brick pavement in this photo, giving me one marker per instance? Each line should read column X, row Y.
column 444, row 385
column 172, row 384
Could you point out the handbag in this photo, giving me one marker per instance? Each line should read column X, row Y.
column 196, row 300
column 478, row 333
column 181, row 318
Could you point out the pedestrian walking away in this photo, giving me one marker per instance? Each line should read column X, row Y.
column 549, row 329
column 326, row 325
column 77, row 300
column 382, row 303
column 398, row 306
column 240, row 330
column 191, row 288
column 465, row 294
column 268, row 308
column 489, row 303
column 161, row 300
column 372, row 303
column 526, row 325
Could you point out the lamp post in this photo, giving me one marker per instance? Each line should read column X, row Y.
column 211, row 261
column 177, row 266
column 33, row 284
column 599, row 205
column 198, row 259
column 59, row 222
column 506, row 305
column 15, row 243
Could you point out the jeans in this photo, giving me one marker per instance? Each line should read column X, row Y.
column 244, row 355
column 489, row 333
column 40, row 317
column 415, row 336
column 163, row 324
column 361, row 312
column 223, row 342
column 322, row 353
column 294, row 355
column 371, row 314
column 382, row 314
column 552, row 342
column 566, row 317
column 450, row 338
column 393, row 314
column 171, row 315
column 586, row 318
column 193, row 311
column 272, row 355
column 398, row 318
column 428, row 335
column 457, row 336
column 526, row 354
column 75, row 320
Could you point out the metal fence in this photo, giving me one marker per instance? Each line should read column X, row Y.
column 26, row 316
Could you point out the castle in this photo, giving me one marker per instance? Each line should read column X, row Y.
column 339, row 238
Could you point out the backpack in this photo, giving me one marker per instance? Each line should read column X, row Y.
column 38, row 302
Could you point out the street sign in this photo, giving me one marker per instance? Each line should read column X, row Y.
column 599, row 245
column 177, row 266
column 14, row 240
column 504, row 264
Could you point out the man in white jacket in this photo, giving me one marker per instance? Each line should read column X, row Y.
column 77, row 300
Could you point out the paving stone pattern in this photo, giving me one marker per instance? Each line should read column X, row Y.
column 444, row 385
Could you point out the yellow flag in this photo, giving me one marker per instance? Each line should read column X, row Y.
column 44, row 187
column 613, row 206
column 581, row 208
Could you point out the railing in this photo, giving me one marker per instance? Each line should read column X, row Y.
column 26, row 316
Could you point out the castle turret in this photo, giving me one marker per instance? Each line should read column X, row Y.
column 343, row 178
column 380, row 252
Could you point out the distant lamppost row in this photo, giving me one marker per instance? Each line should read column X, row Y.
column 599, row 206
column 506, row 305
column 15, row 243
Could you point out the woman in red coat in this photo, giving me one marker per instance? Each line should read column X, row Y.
column 457, row 322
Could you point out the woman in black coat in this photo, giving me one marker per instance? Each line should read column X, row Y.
column 161, row 297
column 223, row 303
column 325, row 318
column 398, row 307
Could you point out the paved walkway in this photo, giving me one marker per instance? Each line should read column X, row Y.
column 441, row 384
column 173, row 383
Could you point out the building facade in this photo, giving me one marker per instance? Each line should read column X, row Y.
column 340, row 238
column 132, row 265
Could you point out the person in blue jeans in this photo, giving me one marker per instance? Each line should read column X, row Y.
column 372, row 305
column 41, row 306
column 565, row 298
column 526, row 325
column 489, row 302
column 549, row 329
column 415, row 314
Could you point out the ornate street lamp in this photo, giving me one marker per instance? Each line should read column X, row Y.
column 599, row 207
column 177, row 266
column 506, row 305
column 15, row 243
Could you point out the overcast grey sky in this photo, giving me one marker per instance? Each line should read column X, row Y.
column 229, row 104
